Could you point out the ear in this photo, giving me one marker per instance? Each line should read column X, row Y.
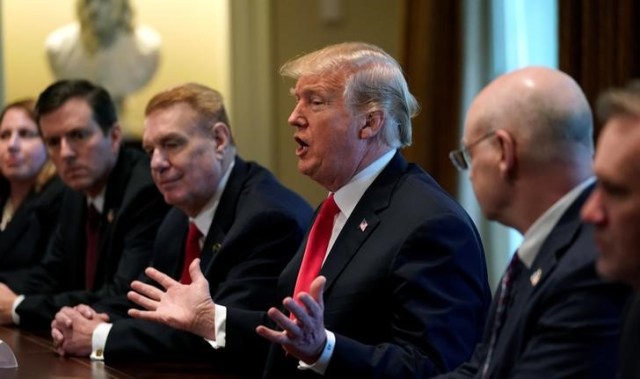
column 372, row 124
column 508, row 155
column 222, row 135
column 115, row 133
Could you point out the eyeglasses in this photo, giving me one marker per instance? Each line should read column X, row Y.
column 460, row 158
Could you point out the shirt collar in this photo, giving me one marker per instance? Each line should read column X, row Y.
column 98, row 201
column 204, row 219
column 348, row 195
column 541, row 228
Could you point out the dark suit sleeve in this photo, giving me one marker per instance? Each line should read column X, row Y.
column 576, row 334
column 51, row 287
column 437, row 310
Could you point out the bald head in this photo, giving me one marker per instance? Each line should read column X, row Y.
column 544, row 109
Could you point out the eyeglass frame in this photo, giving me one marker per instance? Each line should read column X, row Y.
column 461, row 157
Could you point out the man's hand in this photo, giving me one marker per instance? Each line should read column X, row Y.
column 72, row 329
column 7, row 297
column 304, row 337
column 185, row 307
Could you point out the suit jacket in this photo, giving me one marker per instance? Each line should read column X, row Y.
column 564, row 320
column 629, row 367
column 406, row 292
column 257, row 228
column 133, row 210
column 26, row 237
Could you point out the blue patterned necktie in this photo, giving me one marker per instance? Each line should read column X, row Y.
column 506, row 286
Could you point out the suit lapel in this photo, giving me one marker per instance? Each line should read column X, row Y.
column 224, row 216
column 551, row 251
column 363, row 220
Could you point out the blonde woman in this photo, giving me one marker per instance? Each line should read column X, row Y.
column 30, row 193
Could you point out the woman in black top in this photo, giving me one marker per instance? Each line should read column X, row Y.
column 30, row 194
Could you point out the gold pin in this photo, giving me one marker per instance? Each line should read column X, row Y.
column 535, row 277
column 216, row 247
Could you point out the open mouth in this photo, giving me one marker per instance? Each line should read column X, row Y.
column 302, row 148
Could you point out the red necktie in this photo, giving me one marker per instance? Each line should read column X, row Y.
column 317, row 245
column 92, row 237
column 191, row 252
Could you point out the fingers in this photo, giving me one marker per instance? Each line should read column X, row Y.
column 57, row 337
column 63, row 317
column 102, row 317
column 85, row 310
column 141, row 300
column 147, row 290
column 163, row 279
column 272, row 335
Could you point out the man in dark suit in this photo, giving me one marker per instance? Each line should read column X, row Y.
column 614, row 208
column 406, row 290
column 250, row 225
column 528, row 146
column 105, row 234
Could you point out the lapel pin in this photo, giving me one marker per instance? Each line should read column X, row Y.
column 216, row 247
column 363, row 225
column 110, row 216
column 535, row 277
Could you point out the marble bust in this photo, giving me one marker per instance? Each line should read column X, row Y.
column 105, row 47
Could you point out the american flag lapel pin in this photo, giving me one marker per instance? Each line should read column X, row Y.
column 363, row 225
column 535, row 277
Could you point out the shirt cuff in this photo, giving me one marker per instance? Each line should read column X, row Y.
column 14, row 315
column 99, row 341
column 320, row 366
column 221, row 328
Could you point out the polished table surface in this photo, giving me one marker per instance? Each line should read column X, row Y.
column 37, row 359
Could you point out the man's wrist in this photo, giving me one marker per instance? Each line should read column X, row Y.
column 320, row 365
column 99, row 340
column 15, row 317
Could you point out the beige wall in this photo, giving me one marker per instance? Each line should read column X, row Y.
column 195, row 46
column 235, row 46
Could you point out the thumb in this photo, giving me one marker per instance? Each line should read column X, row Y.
column 195, row 272
column 316, row 289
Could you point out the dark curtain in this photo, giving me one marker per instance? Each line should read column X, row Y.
column 599, row 43
column 431, row 57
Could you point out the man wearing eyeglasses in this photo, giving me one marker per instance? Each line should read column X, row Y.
column 528, row 146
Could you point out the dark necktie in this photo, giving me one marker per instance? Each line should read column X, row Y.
column 92, row 231
column 506, row 292
column 191, row 252
column 317, row 244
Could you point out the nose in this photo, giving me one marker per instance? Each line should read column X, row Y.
column 159, row 162
column 66, row 151
column 296, row 118
column 592, row 210
column 14, row 142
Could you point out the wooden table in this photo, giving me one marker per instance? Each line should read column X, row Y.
column 37, row 359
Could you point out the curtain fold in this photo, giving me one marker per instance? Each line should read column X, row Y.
column 431, row 55
column 599, row 43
